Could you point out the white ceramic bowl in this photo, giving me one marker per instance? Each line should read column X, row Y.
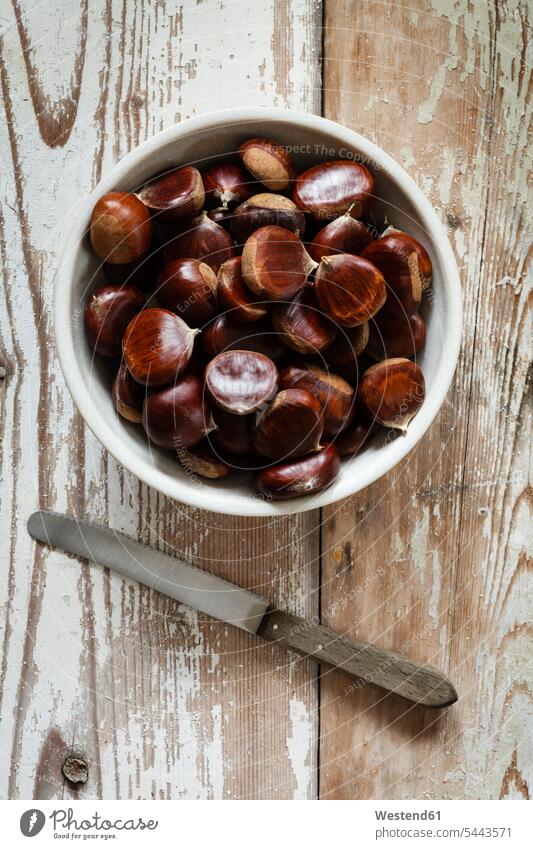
column 196, row 141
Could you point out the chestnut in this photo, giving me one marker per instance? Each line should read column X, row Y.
column 175, row 196
column 108, row 313
column 234, row 294
column 188, row 287
column 202, row 460
column 335, row 396
column 349, row 344
column 349, row 289
column 202, row 239
column 402, row 336
column 221, row 215
column 275, row 264
column 302, row 325
column 226, row 184
column 269, row 162
column 406, row 266
column 223, row 334
column 261, row 211
column 177, row 416
column 290, row 426
column 241, row 381
column 343, row 235
column 121, row 228
column 127, row 395
column 303, row 476
column 392, row 392
column 233, row 434
column 352, row 440
column 157, row 346
column 332, row 188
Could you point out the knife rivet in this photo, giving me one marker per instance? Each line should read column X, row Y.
column 319, row 647
column 275, row 627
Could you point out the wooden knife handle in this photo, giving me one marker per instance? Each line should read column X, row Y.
column 386, row 669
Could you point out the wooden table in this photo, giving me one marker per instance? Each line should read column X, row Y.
column 431, row 560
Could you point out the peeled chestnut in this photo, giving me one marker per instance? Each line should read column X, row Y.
column 108, row 313
column 269, row 162
column 335, row 396
column 120, row 228
column 233, row 434
column 352, row 440
column 406, row 266
column 234, row 295
column 302, row 325
column 241, row 381
column 263, row 210
column 127, row 395
column 177, row 416
column 202, row 460
column 349, row 344
column 157, row 346
column 349, row 289
column 275, row 264
column 290, row 426
column 188, row 287
column 343, row 235
column 392, row 392
column 402, row 336
column 226, row 184
column 176, row 195
column 202, row 239
column 299, row 477
column 224, row 334
column 332, row 188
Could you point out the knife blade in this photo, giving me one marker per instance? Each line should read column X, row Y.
column 418, row 682
column 180, row 580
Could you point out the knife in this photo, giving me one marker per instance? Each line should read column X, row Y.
column 222, row 600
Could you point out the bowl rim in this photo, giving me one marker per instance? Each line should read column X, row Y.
column 221, row 501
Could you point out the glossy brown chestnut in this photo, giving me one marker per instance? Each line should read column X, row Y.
column 240, row 382
column 175, row 196
column 352, row 440
column 406, row 266
column 349, row 289
column 177, row 416
column 225, row 334
column 263, row 210
column 269, row 162
column 233, row 434
column 302, row 325
column 335, row 396
column 234, row 295
column 349, row 344
column 402, row 336
column 226, row 184
column 343, row 235
column 108, row 313
column 188, row 287
column 332, row 188
column 120, row 228
column 202, row 239
column 202, row 460
column 304, row 476
column 221, row 215
column 290, row 426
column 392, row 392
column 157, row 346
column 275, row 264
column 128, row 395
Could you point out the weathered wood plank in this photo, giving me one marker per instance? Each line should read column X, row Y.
column 432, row 560
column 160, row 703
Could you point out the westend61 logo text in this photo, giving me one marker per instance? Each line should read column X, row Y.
column 96, row 826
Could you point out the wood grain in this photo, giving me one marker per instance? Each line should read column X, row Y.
column 432, row 559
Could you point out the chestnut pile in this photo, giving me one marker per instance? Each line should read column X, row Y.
column 241, row 305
